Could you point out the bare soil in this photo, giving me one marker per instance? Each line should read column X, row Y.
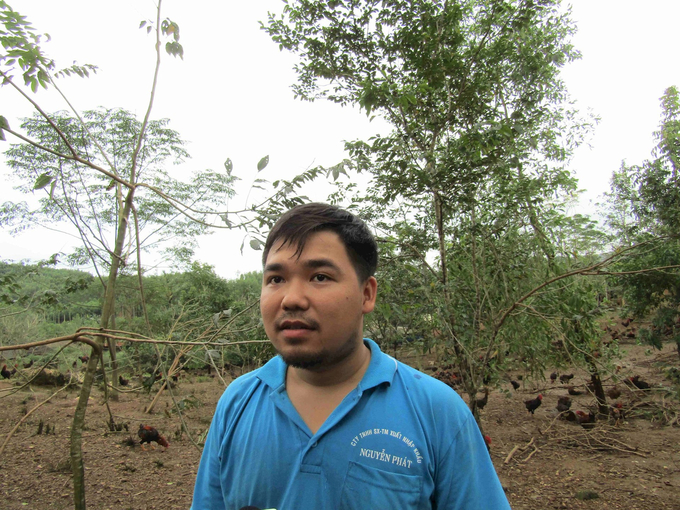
column 632, row 464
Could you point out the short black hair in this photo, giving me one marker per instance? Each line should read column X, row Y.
column 296, row 225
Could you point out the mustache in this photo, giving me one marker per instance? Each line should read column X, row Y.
column 294, row 316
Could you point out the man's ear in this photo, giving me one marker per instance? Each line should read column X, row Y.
column 370, row 291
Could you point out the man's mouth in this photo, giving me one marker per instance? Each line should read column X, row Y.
column 294, row 325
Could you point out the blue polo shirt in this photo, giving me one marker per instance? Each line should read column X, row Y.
column 400, row 440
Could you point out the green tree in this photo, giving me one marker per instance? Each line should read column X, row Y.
column 103, row 184
column 482, row 130
column 78, row 196
column 649, row 194
column 22, row 53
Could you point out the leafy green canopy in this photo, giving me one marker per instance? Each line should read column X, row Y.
column 21, row 48
column 474, row 169
column 468, row 86
column 73, row 193
column 643, row 208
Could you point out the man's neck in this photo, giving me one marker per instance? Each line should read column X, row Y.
column 347, row 373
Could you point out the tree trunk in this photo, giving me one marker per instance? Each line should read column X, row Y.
column 465, row 367
column 599, row 391
column 77, row 467
column 109, row 308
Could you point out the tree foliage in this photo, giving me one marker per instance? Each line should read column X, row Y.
column 474, row 169
column 74, row 193
column 644, row 207
column 465, row 84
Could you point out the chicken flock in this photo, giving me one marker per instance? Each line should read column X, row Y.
column 586, row 418
column 146, row 433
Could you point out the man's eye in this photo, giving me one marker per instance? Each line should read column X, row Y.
column 320, row 277
column 274, row 279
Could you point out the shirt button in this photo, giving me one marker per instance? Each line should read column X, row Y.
column 314, row 444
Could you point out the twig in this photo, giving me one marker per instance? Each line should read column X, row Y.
column 518, row 447
column 11, row 433
column 512, row 452
column 530, row 455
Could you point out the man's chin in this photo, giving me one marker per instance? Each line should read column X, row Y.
column 303, row 360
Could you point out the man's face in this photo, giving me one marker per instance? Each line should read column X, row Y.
column 313, row 306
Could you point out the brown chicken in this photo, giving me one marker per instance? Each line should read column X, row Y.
column 587, row 421
column 565, row 378
column 573, row 391
column 481, row 402
column 6, row 374
column 617, row 412
column 563, row 404
column 570, row 416
column 533, row 404
column 447, row 377
column 553, row 377
column 147, row 434
column 614, row 393
column 515, row 385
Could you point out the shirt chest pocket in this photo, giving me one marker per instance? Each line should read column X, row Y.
column 375, row 489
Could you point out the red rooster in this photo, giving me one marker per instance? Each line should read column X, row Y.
column 6, row 374
column 533, row 404
column 147, row 434
column 618, row 413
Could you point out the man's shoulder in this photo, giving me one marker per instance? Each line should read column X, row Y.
column 437, row 408
column 426, row 389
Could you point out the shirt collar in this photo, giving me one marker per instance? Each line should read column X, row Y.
column 380, row 370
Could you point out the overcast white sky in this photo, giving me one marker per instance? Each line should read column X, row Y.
column 230, row 97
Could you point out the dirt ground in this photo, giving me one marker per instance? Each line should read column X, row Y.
column 633, row 464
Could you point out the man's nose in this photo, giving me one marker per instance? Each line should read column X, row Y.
column 295, row 296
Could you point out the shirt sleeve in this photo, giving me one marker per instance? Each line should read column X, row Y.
column 208, row 488
column 466, row 478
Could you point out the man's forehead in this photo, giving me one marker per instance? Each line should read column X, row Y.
column 326, row 242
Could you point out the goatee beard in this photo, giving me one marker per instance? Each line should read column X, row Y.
column 324, row 358
column 303, row 361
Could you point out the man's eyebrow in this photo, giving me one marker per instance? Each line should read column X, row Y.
column 322, row 263
column 274, row 267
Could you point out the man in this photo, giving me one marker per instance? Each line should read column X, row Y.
column 332, row 422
